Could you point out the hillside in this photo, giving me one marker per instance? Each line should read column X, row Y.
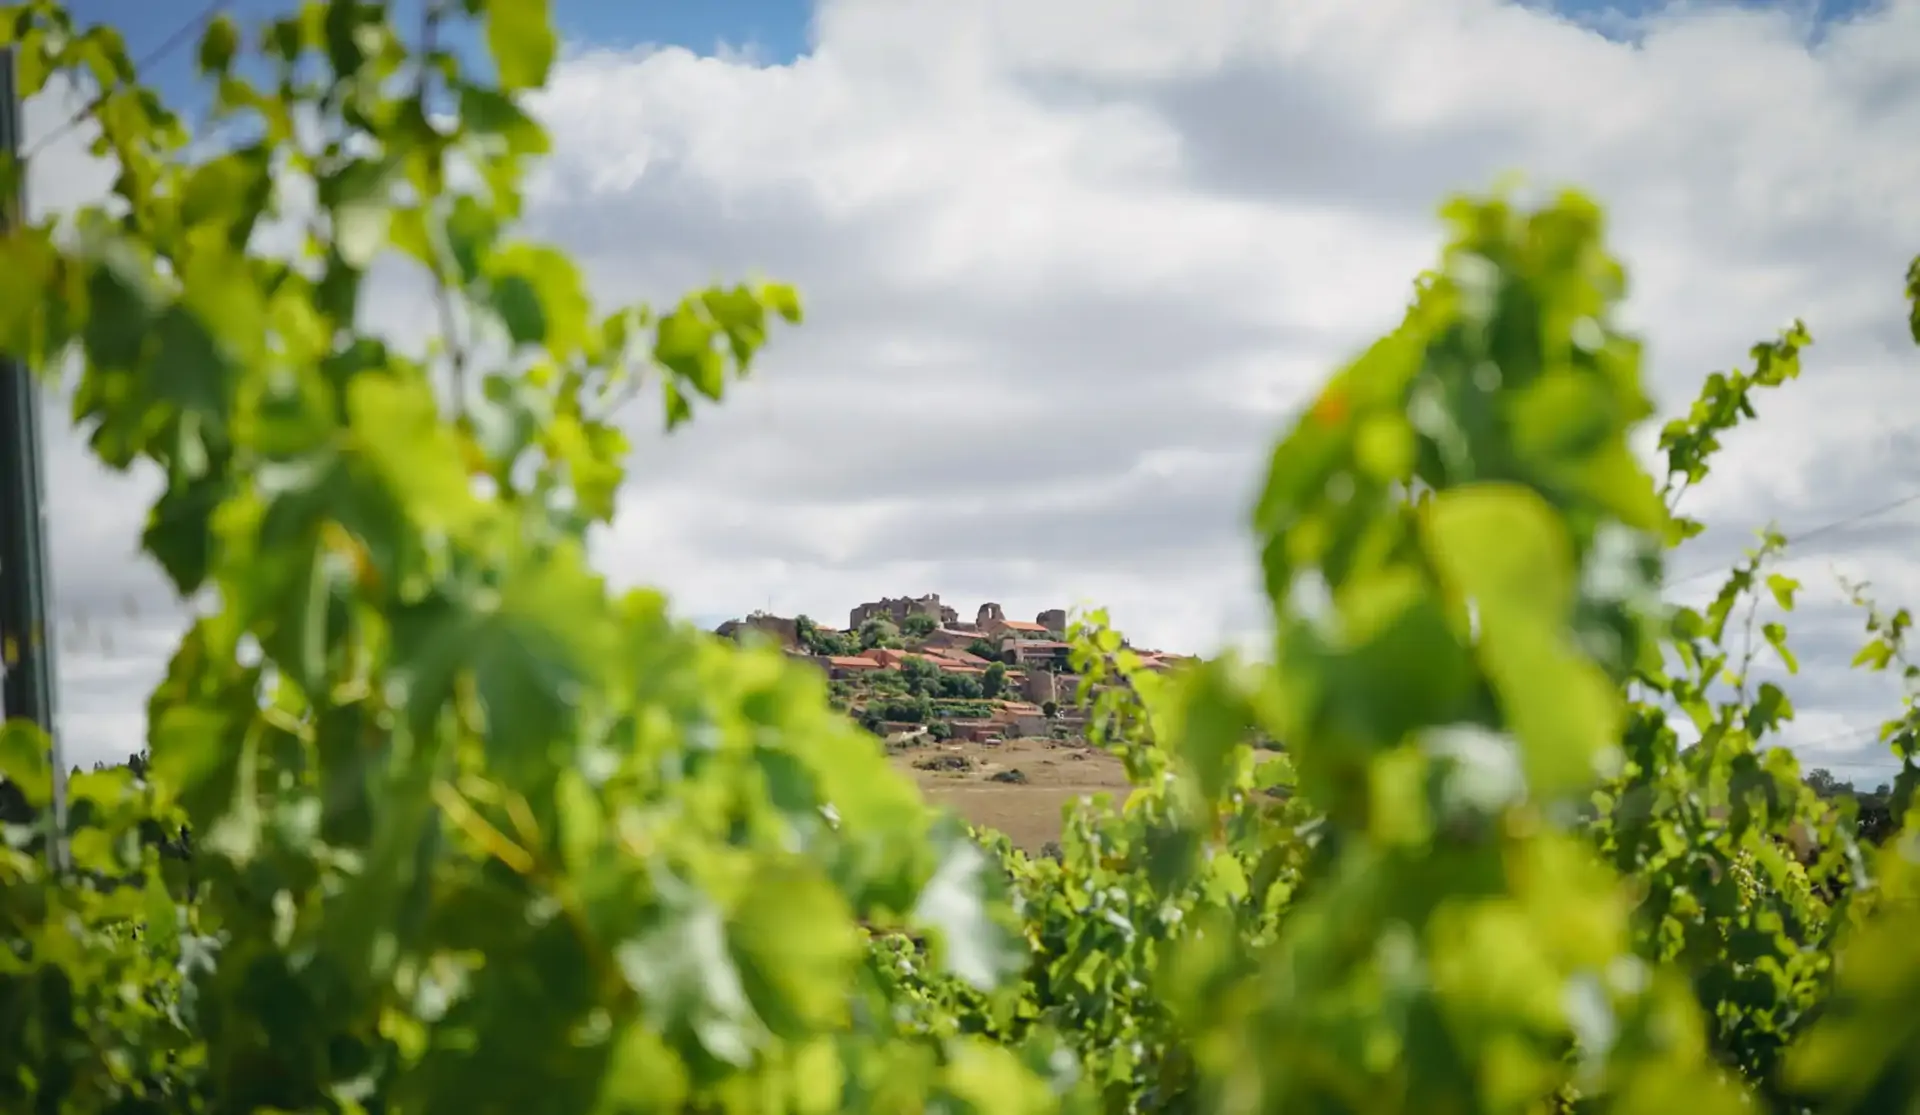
column 987, row 715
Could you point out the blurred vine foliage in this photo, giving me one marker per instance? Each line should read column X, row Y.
column 473, row 834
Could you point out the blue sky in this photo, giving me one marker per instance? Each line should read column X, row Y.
column 776, row 30
column 767, row 30
column 774, row 27
column 1023, row 252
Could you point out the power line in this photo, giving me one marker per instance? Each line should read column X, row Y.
column 1851, row 735
column 1814, row 532
column 166, row 46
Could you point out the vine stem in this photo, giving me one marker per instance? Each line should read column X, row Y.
column 456, row 350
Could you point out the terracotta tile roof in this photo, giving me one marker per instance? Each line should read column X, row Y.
column 1023, row 625
column 853, row 662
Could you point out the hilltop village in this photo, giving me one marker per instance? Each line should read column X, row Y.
column 910, row 667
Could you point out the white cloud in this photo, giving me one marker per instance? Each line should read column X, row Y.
column 1069, row 262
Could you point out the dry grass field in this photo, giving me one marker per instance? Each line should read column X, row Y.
column 960, row 776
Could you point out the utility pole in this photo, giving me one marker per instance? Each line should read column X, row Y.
column 27, row 667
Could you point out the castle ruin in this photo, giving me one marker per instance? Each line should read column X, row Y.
column 896, row 611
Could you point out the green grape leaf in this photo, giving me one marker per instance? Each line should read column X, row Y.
column 686, row 978
column 24, row 751
column 531, row 647
column 795, row 946
column 521, row 38
column 540, row 297
column 955, row 907
column 399, row 433
column 1502, row 548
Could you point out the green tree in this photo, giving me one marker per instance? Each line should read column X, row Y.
column 922, row 677
column 919, row 625
column 878, row 633
column 993, row 681
column 962, row 686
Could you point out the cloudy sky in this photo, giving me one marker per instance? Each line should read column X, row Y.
column 1069, row 264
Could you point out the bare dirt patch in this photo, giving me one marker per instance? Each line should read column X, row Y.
column 978, row 784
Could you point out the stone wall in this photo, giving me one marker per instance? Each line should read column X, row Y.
column 948, row 638
column 975, row 730
column 895, row 610
column 781, row 630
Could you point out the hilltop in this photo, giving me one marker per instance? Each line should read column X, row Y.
column 985, row 713
column 910, row 664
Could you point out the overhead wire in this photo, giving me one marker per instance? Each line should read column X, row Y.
column 1812, row 532
column 152, row 57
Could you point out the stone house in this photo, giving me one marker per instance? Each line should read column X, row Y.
column 994, row 624
column 1047, row 654
column 950, row 638
column 1022, row 719
column 840, row 667
column 1069, row 727
column 941, row 662
column 948, row 664
column 975, row 730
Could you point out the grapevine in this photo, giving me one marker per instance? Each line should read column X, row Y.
column 434, row 821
